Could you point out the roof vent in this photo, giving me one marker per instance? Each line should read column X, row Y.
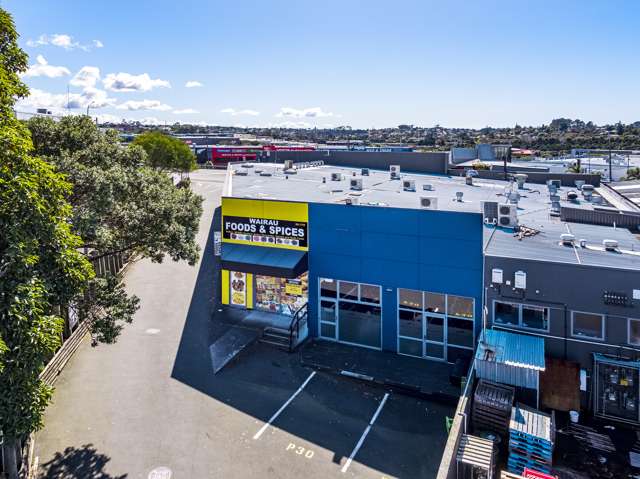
column 567, row 239
column 459, row 195
column 596, row 199
column 265, row 173
column 409, row 185
column 336, row 176
column 288, row 164
column 587, row 192
column 572, row 196
column 520, row 179
column 352, row 200
column 579, row 184
column 242, row 172
column 610, row 245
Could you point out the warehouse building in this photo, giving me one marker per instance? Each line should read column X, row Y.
column 390, row 264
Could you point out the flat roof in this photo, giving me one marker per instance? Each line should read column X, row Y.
column 379, row 190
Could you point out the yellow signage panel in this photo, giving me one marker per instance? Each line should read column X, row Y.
column 293, row 289
column 275, row 224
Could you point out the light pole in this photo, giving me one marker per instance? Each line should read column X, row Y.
column 89, row 106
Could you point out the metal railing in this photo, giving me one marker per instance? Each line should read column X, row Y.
column 298, row 322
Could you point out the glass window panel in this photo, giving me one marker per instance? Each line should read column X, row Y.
column 328, row 330
column 435, row 328
column 587, row 325
column 370, row 293
column 410, row 346
column 328, row 288
column 535, row 317
column 328, row 311
column 460, row 306
column 410, row 323
column 410, row 299
column 434, row 303
column 506, row 313
column 434, row 350
column 460, row 332
column 634, row 331
column 359, row 323
column 348, row 290
column 454, row 353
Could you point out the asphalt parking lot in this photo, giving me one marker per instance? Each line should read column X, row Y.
column 151, row 402
column 330, row 426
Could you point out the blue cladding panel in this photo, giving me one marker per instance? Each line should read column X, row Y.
column 395, row 248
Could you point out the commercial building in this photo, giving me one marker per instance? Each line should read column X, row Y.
column 379, row 264
column 419, row 264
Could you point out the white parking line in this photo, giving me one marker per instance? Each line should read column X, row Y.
column 364, row 434
column 273, row 418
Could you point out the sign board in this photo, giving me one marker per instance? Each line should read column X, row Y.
column 269, row 223
column 264, row 230
column 217, row 243
column 238, row 285
column 293, row 287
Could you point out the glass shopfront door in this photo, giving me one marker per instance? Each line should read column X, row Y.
column 281, row 295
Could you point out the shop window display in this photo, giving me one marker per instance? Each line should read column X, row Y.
column 281, row 295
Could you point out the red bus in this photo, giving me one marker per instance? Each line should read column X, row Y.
column 222, row 154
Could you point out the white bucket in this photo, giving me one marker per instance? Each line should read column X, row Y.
column 574, row 416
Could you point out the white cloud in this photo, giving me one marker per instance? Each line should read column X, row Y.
column 193, row 84
column 63, row 40
column 134, row 105
column 42, row 69
column 86, row 77
column 59, row 102
column 107, row 118
column 185, row 111
column 234, row 112
column 150, row 120
column 127, row 82
column 315, row 112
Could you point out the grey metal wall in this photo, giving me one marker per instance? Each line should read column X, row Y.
column 567, row 287
column 598, row 217
column 431, row 162
column 567, row 179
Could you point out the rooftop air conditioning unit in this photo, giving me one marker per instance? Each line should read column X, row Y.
column 336, row 176
column 610, row 245
column 507, row 215
column 427, row 187
column 355, row 184
column 490, row 212
column 288, row 164
column 429, row 202
column 567, row 239
column 409, row 185
column 364, row 171
column 394, row 172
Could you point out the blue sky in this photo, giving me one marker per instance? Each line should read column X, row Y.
column 360, row 63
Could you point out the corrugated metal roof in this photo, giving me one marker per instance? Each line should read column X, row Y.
column 512, row 349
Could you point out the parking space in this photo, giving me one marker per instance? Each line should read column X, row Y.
column 337, row 427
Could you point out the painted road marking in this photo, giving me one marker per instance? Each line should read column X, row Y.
column 300, row 451
column 364, row 434
column 274, row 417
column 160, row 473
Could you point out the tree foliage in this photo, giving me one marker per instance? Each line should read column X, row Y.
column 40, row 264
column 166, row 152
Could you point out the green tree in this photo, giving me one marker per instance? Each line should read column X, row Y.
column 633, row 174
column 166, row 152
column 40, row 264
column 120, row 205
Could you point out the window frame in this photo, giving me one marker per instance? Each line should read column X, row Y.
column 520, row 324
column 629, row 321
column 602, row 338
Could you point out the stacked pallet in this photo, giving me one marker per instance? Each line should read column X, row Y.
column 491, row 410
column 530, row 440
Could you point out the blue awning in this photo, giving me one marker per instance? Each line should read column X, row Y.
column 278, row 262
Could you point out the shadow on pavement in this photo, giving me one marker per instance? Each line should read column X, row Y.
column 83, row 462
